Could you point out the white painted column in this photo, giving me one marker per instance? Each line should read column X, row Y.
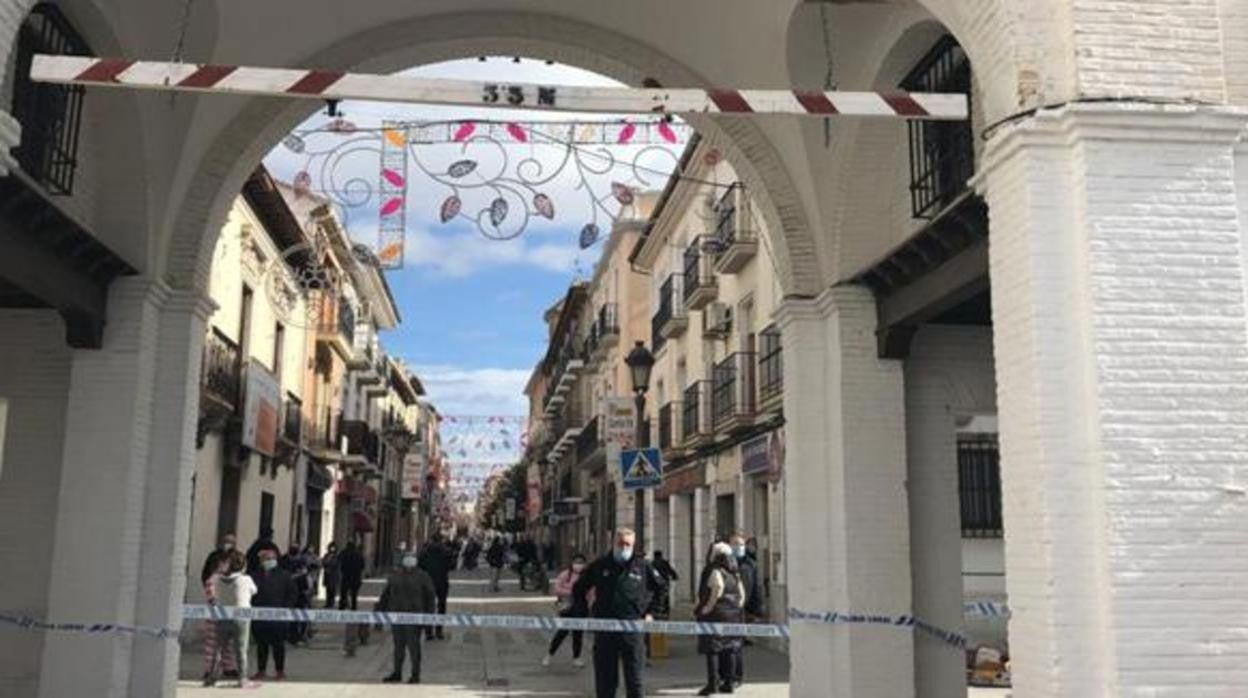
column 1122, row 373
column 124, row 496
column 847, row 526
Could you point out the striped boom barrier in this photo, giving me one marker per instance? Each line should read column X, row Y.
column 334, row 85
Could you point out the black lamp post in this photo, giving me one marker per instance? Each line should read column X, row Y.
column 640, row 362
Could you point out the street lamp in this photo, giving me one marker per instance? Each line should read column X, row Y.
column 640, row 362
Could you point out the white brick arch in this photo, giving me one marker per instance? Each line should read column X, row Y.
column 261, row 124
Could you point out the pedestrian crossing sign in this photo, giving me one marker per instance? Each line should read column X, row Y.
column 641, row 468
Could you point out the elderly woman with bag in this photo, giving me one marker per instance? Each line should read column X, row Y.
column 721, row 599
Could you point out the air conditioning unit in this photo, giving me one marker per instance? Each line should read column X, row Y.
column 717, row 320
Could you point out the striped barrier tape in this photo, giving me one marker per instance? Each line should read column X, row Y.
column 542, row 623
column 332, row 84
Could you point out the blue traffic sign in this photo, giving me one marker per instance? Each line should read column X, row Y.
column 641, row 468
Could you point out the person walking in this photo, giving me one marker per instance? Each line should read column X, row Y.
column 496, row 557
column 755, row 598
column 230, row 587
column 721, row 599
column 624, row 588
column 332, row 574
column 437, row 561
column 409, row 590
column 351, row 569
column 264, row 542
column 276, row 589
column 565, row 599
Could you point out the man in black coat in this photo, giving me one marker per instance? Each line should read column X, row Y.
column 755, row 599
column 409, row 590
column 351, row 566
column 625, row 587
column 438, row 561
column 274, row 589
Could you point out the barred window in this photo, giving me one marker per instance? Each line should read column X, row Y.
column 979, row 485
column 942, row 153
column 50, row 115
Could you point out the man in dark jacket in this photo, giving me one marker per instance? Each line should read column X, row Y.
column 496, row 556
column 410, row 590
column 274, row 589
column 755, row 599
column 438, row 561
column 351, row 567
column 625, row 587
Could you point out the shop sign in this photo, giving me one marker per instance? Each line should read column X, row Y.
column 775, row 469
column 682, row 481
column 260, row 409
column 621, row 417
column 764, row 455
column 413, row 475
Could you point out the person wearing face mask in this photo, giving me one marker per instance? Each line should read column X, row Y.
column 755, row 599
column 216, row 561
column 721, row 599
column 409, row 590
column 275, row 589
column 568, row 608
column 625, row 587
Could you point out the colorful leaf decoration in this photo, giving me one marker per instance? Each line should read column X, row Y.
column 394, row 178
column 302, row 184
column 390, row 252
column 341, row 126
column 461, row 168
column 622, row 193
column 450, row 208
column 626, row 134
column 665, row 130
column 589, row 235
column 395, row 137
column 394, row 204
column 544, row 206
column 293, row 143
column 712, row 157
column 464, row 131
column 498, row 211
column 517, row 133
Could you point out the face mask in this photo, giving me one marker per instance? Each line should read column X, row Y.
column 623, row 554
column 577, row 568
column 409, row 562
column 739, row 551
column 227, row 547
column 269, row 565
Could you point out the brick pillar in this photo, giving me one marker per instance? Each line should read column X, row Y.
column 1122, row 376
column 123, row 495
column 847, row 530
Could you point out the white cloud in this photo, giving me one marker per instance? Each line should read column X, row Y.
column 484, row 391
column 466, row 253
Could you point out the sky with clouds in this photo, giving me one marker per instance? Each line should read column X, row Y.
column 472, row 307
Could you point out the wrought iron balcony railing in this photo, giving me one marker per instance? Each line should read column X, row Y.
column 770, row 366
column 942, row 153
column 696, row 413
column 669, row 320
column 733, row 390
column 222, row 369
column 671, row 432
column 700, row 286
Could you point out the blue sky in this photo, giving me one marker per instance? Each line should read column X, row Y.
column 471, row 307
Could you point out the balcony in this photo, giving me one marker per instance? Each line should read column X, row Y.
column 363, row 362
column 337, row 325
column 564, row 370
column 362, row 443
column 735, row 241
column 695, row 422
column 733, row 404
column 700, row 286
column 589, row 440
column 607, row 330
column 322, row 441
column 292, row 420
column 590, row 347
column 671, row 429
column 379, row 367
column 670, row 320
column 770, row 370
column 221, row 372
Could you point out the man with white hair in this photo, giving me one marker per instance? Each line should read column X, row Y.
column 625, row 588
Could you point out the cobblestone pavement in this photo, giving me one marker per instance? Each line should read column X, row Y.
column 482, row 662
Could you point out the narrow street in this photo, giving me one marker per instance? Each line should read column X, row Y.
column 476, row 662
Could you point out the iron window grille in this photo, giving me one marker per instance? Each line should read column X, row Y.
column 942, row 153
column 50, row 115
column 770, row 364
column 732, row 389
column 693, row 412
column 979, row 485
column 694, row 276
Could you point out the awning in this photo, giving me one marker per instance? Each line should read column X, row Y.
column 361, row 522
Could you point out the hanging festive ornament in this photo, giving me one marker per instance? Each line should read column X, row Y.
column 517, row 132
column 461, row 168
column 589, row 235
column 340, row 126
column 392, row 177
column 391, row 206
column 450, row 208
column 622, row 193
column 544, row 206
column 294, row 143
column 302, row 184
column 391, row 252
column 666, row 132
column 626, row 134
column 712, row 157
column 498, row 211
column 396, row 137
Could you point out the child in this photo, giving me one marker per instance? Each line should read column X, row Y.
column 568, row 609
column 233, row 588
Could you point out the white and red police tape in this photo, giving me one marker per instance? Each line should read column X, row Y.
column 542, row 623
column 334, row 85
